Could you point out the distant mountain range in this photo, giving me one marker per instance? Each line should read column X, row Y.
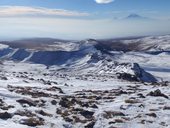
column 134, row 16
column 49, row 51
column 105, row 56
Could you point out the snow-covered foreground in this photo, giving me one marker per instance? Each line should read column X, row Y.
column 33, row 95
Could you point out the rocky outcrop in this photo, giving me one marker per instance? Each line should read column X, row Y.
column 133, row 72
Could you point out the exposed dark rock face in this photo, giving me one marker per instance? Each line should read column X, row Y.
column 133, row 72
column 126, row 76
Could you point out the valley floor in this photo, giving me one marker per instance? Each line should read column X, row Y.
column 32, row 95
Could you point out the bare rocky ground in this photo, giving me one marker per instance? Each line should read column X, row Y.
column 37, row 97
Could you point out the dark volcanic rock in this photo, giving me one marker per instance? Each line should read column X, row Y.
column 116, row 121
column 4, row 106
column 152, row 115
column 166, row 108
column 157, row 93
column 94, row 106
column 132, row 101
column 126, row 76
column 24, row 113
column 3, row 78
column 86, row 114
column 111, row 114
column 141, row 95
column 53, row 102
column 67, row 119
column 55, row 89
column 64, row 102
column 27, row 101
column 41, row 112
column 90, row 125
column 5, row 115
column 33, row 122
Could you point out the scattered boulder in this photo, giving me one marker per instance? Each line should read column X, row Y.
column 33, row 122
column 31, row 79
column 98, row 98
column 85, row 105
column 141, row 95
column 77, row 119
column 164, row 124
column 33, row 91
column 86, row 113
column 54, row 88
column 166, row 108
column 53, row 102
column 41, row 112
column 90, row 125
column 111, row 114
column 94, row 106
column 5, row 106
column 24, row 113
column 157, row 93
column 152, row 115
column 66, row 102
column 116, row 121
column 41, row 103
column 146, row 121
column 141, row 106
column 5, row 115
column 132, row 101
column 121, row 92
column 68, row 119
column 3, row 78
column 26, row 101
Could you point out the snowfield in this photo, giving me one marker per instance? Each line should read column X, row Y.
column 86, row 87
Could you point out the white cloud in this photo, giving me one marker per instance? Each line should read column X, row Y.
column 104, row 1
column 24, row 10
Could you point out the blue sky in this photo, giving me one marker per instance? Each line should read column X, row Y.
column 77, row 19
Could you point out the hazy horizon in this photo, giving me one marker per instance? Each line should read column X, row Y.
column 79, row 19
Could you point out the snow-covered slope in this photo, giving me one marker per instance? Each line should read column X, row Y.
column 95, row 56
column 53, row 54
column 3, row 46
column 32, row 95
column 83, row 84
column 151, row 43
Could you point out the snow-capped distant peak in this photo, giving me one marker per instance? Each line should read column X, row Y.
column 135, row 17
